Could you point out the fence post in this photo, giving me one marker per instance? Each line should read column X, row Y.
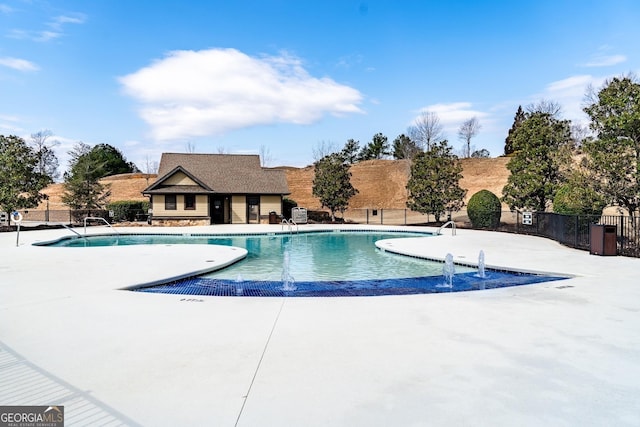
column 575, row 237
column 381, row 216
column 622, row 233
column 367, row 216
column 405, row 217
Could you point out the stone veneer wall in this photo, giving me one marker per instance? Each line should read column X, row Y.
column 180, row 222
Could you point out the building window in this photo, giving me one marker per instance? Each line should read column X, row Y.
column 170, row 202
column 189, row 202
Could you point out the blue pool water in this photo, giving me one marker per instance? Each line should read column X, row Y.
column 315, row 264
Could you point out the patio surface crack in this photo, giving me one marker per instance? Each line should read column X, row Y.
column 264, row 351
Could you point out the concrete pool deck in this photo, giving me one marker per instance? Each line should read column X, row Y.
column 556, row 354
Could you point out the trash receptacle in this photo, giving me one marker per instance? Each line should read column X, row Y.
column 273, row 217
column 603, row 240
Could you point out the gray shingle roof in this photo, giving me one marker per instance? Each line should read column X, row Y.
column 225, row 173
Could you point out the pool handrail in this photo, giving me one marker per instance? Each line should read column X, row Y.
column 453, row 227
column 99, row 219
column 290, row 223
column 73, row 231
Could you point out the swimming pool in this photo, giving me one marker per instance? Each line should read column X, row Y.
column 328, row 263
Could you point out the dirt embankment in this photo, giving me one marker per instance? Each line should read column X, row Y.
column 381, row 184
column 126, row 186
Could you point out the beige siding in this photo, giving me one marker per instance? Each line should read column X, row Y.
column 157, row 205
column 179, row 178
column 270, row 204
column 238, row 209
column 202, row 207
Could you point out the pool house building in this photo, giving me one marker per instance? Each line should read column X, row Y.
column 203, row 189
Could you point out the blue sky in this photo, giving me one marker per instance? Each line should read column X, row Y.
column 234, row 76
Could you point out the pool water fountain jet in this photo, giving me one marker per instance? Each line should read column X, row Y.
column 287, row 280
column 448, row 271
column 481, row 265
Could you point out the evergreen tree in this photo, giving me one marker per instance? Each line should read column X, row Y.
column 404, row 147
column 332, row 183
column 82, row 186
column 517, row 121
column 378, row 148
column 481, row 154
column 20, row 179
column 434, row 184
column 541, row 145
column 112, row 161
column 350, row 151
column 613, row 156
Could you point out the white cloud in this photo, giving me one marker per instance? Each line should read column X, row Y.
column 570, row 93
column 10, row 125
column 72, row 18
column 452, row 115
column 209, row 92
column 4, row 8
column 45, row 36
column 18, row 64
column 55, row 28
column 605, row 60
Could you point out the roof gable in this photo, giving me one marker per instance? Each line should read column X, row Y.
column 168, row 180
column 223, row 173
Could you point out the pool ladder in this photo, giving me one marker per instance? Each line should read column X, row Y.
column 98, row 218
column 453, row 227
column 290, row 223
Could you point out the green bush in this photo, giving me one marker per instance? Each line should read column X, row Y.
column 575, row 197
column 128, row 210
column 484, row 210
column 287, row 205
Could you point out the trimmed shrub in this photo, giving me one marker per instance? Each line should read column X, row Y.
column 484, row 210
column 287, row 205
column 129, row 210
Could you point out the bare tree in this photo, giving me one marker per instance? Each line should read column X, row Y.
column 47, row 160
column 553, row 108
column 323, row 148
column 265, row 156
column 190, row 147
column 426, row 130
column 221, row 150
column 150, row 166
column 468, row 129
column 579, row 132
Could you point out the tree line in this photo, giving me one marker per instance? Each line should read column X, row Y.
column 553, row 163
column 26, row 168
column 426, row 131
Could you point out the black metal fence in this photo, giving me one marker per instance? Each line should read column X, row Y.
column 574, row 230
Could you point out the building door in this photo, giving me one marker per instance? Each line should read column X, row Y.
column 253, row 209
column 217, row 210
